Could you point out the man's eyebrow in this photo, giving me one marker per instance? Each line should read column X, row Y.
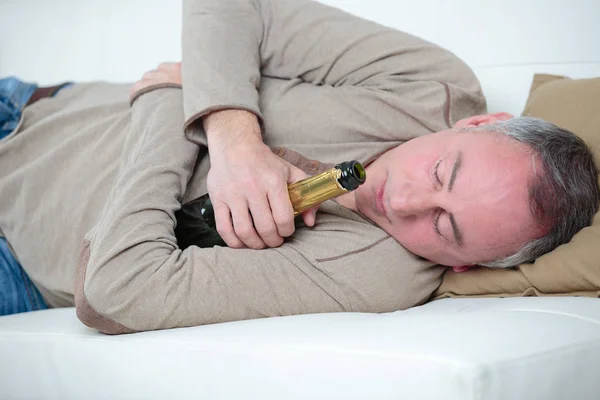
column 455, row 168
column 456, row 231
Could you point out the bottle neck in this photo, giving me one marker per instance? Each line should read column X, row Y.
column 315, row 190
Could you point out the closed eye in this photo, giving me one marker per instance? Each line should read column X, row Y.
column 435, row 175
column 436, row 219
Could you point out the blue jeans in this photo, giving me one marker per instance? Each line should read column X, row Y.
column 17, row 292
column 14, row 94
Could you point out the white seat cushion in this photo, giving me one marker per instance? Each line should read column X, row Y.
column 517, row 348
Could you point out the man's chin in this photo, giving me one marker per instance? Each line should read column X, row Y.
column 431, row 259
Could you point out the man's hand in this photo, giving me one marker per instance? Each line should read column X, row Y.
column 165, row 75
column 247, row 183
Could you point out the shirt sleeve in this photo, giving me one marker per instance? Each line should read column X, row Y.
column 229, row 45
column 133, row 277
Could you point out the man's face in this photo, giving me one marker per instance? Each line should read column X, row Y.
column 455, row 198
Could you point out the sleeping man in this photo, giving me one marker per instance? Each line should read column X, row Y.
column 267, row 93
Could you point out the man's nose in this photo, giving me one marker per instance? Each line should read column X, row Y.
column 412, row 202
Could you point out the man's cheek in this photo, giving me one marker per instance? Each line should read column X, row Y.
column 417, row 239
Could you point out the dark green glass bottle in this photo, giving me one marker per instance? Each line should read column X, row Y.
column 196, row 223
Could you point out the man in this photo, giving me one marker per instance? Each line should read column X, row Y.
column 266, row 85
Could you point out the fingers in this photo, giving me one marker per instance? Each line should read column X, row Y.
column 170, row 66
column 154, row 75
column 236, row 225
column 165, row 73
column 225, row 225
column 244, row 226
column 157, row 76
column 259, row 223
column 249, row 184
column 149, row 79
column 264, row 223
column 281, row 211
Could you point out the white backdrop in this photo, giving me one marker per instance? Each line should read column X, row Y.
column 504, row 41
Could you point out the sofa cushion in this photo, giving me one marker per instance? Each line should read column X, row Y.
column 453, row 349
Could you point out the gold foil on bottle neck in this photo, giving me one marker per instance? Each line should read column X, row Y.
column 315, row 190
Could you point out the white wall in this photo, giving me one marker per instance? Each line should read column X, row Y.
column 116, row 40
column 504, row 41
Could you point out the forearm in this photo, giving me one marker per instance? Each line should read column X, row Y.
column 228, row 45
column 133, row 244
column 229, row 127
column 220, row 60
column 133, row 277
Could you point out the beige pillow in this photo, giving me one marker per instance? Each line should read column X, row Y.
column 572, row 269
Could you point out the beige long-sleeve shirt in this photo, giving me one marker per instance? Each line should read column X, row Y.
column 85, row 167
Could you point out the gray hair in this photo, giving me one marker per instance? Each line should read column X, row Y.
column 564, row 194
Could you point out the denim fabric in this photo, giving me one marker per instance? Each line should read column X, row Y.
column 14, row 94
column 17, row 292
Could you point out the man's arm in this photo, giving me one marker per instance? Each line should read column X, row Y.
column 228, row 45
column 133, row 277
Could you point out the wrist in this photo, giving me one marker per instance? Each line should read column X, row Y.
column 231, row 127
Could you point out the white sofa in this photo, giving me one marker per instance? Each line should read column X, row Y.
column 516, row 348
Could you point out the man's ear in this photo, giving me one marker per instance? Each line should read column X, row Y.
column 485, row 119
column 462, row 268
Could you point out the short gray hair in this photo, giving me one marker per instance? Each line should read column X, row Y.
column 564, row 194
